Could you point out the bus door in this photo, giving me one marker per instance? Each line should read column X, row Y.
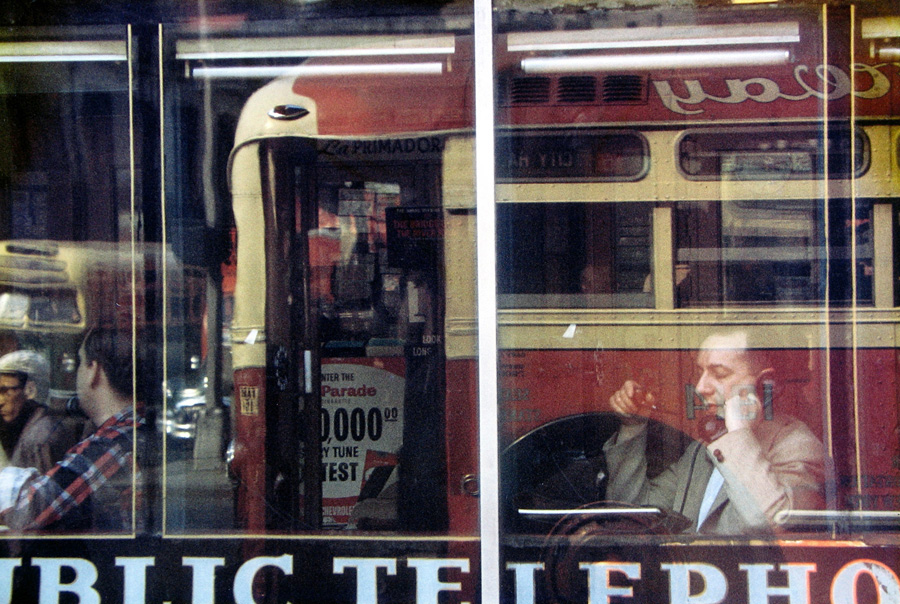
column 354, row 316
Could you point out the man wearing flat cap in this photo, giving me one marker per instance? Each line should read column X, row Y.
column 30, row 435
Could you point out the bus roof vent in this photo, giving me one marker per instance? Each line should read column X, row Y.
column 577, row 90
column 624, row 89
column 529, row 91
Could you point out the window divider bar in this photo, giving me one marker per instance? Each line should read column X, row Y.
column 488, row 424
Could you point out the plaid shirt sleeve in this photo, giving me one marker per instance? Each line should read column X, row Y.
column 62, row 495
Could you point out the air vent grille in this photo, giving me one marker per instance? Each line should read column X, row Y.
column 577, row 90
column 529, row 91
column 624, row 89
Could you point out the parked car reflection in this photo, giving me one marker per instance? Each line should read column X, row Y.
column 190, row 423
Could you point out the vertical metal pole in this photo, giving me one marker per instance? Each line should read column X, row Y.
column 487, row 303
column 132, row 243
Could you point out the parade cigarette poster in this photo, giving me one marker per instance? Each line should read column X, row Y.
column 362, row 430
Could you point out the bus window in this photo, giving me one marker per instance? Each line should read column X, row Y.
column 773, row 154
column 772, row 252
column 13, row 307
column 570, row 157
column 349, row 265
column 54, row 307
column 574, row 255
column 68, row 98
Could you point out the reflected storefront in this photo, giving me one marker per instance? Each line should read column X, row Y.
column 455, row 303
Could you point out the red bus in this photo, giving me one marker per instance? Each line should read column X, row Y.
column 648, row 195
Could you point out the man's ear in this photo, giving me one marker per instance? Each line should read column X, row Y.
column 30, row 390
column 766, row 374
column 94, row 370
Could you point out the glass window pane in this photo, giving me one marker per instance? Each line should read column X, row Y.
column 264, row 218
column 353, row 146
column 772, row 252
column 574, row 255
column 732, row 294
column 70, row 272
column 785, row 153
column 600, row 156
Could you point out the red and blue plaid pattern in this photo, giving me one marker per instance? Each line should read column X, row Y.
column 91, row 488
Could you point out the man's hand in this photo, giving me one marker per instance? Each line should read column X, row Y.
column 627, row 400
column 743, row 409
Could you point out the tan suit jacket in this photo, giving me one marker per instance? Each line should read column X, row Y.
column 779, row 465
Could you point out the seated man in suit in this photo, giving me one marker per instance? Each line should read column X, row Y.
column 743, row 475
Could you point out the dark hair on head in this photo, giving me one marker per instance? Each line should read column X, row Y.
column 112, row 350
column 757, row 355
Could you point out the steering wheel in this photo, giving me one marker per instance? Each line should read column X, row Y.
column 560, row 466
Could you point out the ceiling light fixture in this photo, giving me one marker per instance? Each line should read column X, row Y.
column 639, row 62
column 880, row 27
column 211, row 73
column 888, row 54
column 656, row 37
column 63, row 52
column 212, row 49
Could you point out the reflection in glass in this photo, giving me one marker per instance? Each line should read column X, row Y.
column 339, row 296
column 570, row 157
column 771, row 252
column 785, row 153
column 40, row 307
column 13, row 306
column 574, row 255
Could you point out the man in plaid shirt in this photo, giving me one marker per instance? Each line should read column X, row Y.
column 94, row 486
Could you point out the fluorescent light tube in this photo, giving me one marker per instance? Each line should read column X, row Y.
column 656, row 37
column 63, row 52
column 211, row 73
column 874, row 28
column 213, row 49
column 61, row 58
column 889, row 54
column 654, row 61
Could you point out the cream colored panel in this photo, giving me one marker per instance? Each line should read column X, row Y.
column 459, row 246
column 639, row 330
column 663, row 277
column 255, row 121
column 876, row 182
column 665, row 182
column 895, row 160
column 459, row 253
column 248, row 324
column 459, row 173
column 883, row 250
